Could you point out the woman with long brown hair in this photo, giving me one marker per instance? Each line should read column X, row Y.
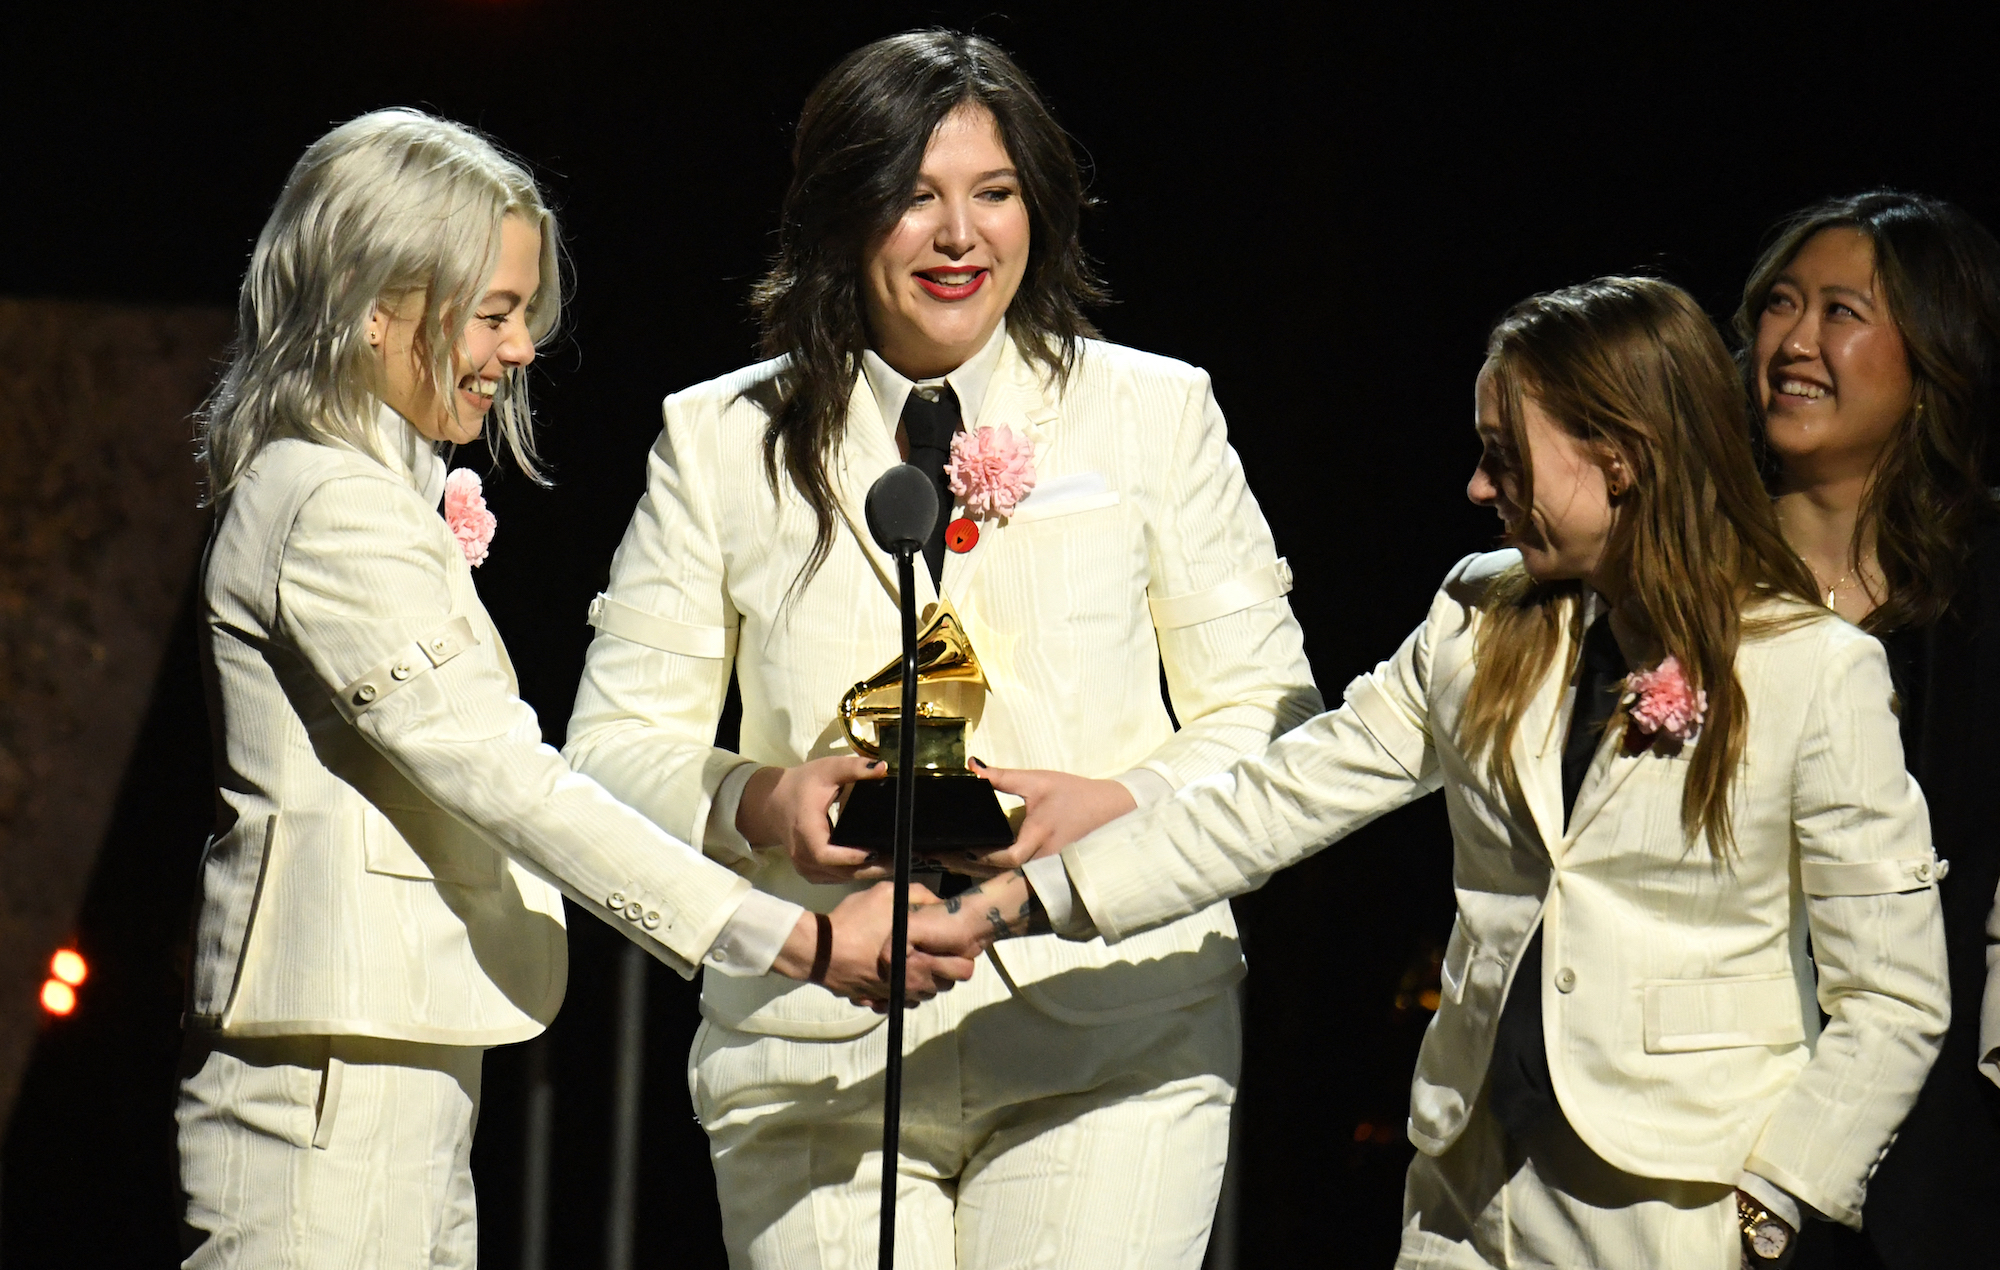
column 1666, row 767
column 927, row 305
column 1870, row 333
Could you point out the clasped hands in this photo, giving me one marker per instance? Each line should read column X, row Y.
column 847, row 951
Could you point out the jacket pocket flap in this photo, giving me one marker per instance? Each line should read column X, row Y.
column 1712, row 1014
column 450, row 852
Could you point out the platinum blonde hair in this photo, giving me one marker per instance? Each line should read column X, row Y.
column 396, row 205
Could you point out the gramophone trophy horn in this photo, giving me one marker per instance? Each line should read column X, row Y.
column 956, row 809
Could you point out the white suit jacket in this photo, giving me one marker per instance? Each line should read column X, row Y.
column 1679, row 1006
column 395, row 831
column 1140, row 547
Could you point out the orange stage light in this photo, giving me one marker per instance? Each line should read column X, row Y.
column 58, row 997
column 69, row 966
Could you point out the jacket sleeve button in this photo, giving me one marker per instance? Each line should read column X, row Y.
column 634, row 911
column 615, row 900
column 653, row 920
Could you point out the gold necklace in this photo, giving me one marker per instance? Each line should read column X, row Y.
column 1837, row 582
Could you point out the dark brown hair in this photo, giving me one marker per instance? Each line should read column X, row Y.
column 1940, row 277
column 1634, row 368
column 859, row 148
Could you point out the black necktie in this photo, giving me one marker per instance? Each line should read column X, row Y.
column 1522, row 1095
column 929, row 426
column 1600, row 680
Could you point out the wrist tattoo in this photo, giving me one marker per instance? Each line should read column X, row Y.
column 1029, row 919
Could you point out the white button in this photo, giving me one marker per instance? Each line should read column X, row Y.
column 1565, row 979
column 634, row 911
column 717, row 957
column 402, row 671
column 615, row 900
column 1923, row 871
column 365, row 693
column 1943, row 869
column 437, row 645
column 652, row 920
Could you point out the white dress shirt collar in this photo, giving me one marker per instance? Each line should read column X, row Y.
column 409, row 454
column 969, row 381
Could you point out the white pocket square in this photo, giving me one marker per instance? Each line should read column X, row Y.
column 1062, row 495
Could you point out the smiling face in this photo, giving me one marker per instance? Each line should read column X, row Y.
column 495, row 340
column 939, row 282
column 1567, row 533
column 1833, row 378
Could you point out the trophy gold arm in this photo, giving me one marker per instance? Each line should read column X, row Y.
column 944, row 655
column 956, row 809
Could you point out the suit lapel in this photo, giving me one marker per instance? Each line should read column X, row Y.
column 1014, row 399
column 1610, row 767
column 1538, row 745
column 868, row 449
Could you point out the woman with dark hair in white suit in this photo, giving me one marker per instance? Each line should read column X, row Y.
column 383, row 899
column 1070, row 1106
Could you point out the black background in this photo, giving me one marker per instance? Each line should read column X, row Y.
column 1325, row 207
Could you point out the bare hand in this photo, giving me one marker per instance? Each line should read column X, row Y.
column 856, row 966
column 1060, row 809
column 788, row 807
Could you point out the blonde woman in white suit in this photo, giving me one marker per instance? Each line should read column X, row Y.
column 383, row 899
column 1627, row 1067
column 1070, row 1105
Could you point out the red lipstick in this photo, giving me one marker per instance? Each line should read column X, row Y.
column 959, row 292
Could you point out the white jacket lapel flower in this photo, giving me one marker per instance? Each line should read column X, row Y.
column 465, row 512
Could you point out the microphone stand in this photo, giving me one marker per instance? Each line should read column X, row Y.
column 899, row 938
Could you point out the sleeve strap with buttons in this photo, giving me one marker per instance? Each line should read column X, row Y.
column 417, row 658
column 1872, row 877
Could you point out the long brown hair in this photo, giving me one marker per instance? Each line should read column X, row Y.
column 1940, row 274
column 1635, row 369
column 859, row 148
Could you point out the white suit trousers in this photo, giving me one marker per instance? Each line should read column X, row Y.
column 1025, row 1141
column 314, row 1152
column 1552, row 1204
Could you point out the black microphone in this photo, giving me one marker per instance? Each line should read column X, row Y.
column 902, row 508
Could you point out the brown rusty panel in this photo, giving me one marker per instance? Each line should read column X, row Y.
column 99, row 535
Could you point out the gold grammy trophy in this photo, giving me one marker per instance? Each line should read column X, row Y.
column 956, row 809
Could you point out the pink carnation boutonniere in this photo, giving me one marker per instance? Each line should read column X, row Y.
column 991, row 469
column 465, row 512
column 1665, row 704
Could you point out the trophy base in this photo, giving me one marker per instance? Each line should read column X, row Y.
column 956, row 811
